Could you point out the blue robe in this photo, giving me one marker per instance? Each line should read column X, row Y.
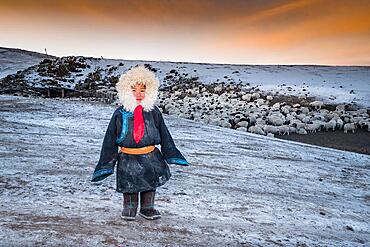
column 137, row 172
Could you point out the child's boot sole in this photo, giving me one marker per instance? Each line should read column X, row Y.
column 150, row 217
column 127, row 218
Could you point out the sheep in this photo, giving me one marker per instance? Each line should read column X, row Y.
column 330, row 125
column 301, row 116
column 362, row 111
column 357, row 120
column 260, row 102
column 270, row 129
column 301, row 131
column 252, row 119
column 318, row 117
column 247, row 97
column 284, row 129
column 256, row 130
column 304, row 110
column 340, row 108
column 298, row 124
column 285, row 109
column 214, row 122
column 321, row 124
column 290, row 117
column 347, row 118
column 339, row 123
column 269, row 97
column 275, row 120
column 242, row 124
column 275, row 107
column 242, row 129
column 317, row 104
column 312, row 127
column 292, row 129
column 306, row 119
column 349, row 126
column 225, row 124
column 256, row 95
column 332, row 115
column 363, row 122
column 270, row 135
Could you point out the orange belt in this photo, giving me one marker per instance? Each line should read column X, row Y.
column 142, row 150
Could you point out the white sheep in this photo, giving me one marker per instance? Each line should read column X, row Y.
column 304, row 110
column 290, row 118
column 362, row 111
column 318, row 116
column 340, row 108
column 331, row 124
column 301, row 131
column 317, row 104
column 275, row 107
column 339, row 123
column 306, row 119
column 256, row 95
column 285, row 109
column 270, row 129
column 247, row 97
column 312, row 127
column 284, row 129
column 256, row 130
column 275, row 120
column 292, row 129
column 301, row 116
column 242, row 129
column 269, row 97
column 349, row 126
column 242, row 124
column 297, row 124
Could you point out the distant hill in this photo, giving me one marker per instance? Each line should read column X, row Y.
column 331, row 84
column 13, row 60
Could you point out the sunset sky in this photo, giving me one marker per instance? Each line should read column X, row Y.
column 327, row 32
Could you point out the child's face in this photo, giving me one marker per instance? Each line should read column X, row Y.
column 139, row 91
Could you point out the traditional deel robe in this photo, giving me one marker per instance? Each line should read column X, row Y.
column 134, row 172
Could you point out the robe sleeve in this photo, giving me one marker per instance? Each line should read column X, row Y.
column 108, row 153
column 168, row 148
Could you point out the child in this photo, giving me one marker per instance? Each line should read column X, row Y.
column 135, row 128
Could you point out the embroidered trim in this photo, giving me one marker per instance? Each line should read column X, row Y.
column 100, row 173
column 177, row 161
column 124, row 129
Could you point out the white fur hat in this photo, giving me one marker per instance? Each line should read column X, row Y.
column 131, row 77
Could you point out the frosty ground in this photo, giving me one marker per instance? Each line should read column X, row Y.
column 240, row 190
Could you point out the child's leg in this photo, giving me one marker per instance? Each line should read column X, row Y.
column 147, row 205
column 130, row 204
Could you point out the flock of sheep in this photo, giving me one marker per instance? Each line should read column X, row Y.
column 224, row 106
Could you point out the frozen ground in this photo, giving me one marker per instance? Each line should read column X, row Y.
column 240, row 190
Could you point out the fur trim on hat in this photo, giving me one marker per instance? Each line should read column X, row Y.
column 128, row 79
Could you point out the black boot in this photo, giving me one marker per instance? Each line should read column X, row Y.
column 130, row 203
column 147, row 205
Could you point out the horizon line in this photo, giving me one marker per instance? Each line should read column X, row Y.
column 188, row 62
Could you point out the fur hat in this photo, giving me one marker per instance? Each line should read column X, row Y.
column 131, row 77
